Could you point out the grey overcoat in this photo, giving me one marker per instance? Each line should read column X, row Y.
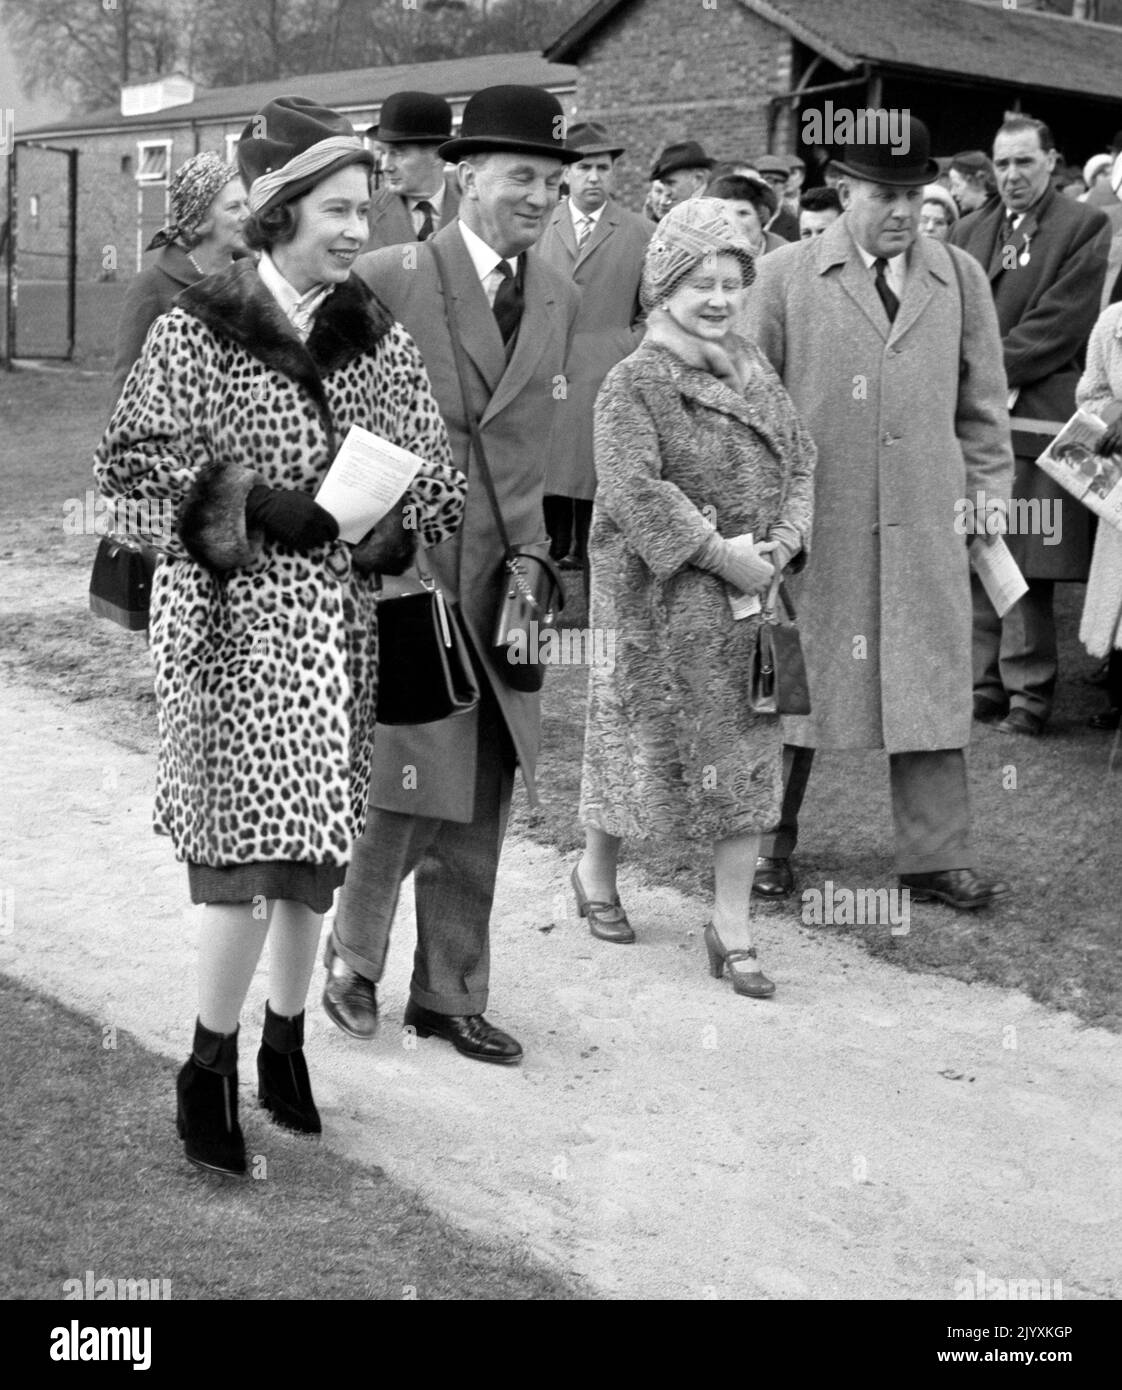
column 607, row 272
column 909, row 419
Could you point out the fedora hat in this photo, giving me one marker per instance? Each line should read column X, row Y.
column 416, row 118
column 521, row 120
column 879, row 163
column 588, row 137
column 284, row 129
column 686, row 155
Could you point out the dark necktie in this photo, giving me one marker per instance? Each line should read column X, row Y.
column 426, row 226
column 508, row 303
column 887, row 298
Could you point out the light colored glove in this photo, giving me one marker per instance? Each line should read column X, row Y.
column 743, row 565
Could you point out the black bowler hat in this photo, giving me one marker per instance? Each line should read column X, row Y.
column 285, row 128
column 879, row 163
column 588, row 138
column 521, row 120
column 686, row 155
column 416, row 118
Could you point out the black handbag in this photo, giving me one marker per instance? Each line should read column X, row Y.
column 532, row 593
column 777, row 681
column 424, row 667
column 121, row 582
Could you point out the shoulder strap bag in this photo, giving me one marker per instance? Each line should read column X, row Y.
column 533, row 595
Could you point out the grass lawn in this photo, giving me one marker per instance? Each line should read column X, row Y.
column 1040, row 806
column 92, row 1179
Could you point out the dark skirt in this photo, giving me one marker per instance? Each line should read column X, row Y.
column 313, row 885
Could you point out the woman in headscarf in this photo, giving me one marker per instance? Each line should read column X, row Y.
column 704, row 492
column 938, row 213
column 203, row 234
column 752, row 203
column 264, row 633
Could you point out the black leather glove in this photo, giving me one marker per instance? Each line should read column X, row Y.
column 291, row 517
column 1111, row 442
column 389, row 547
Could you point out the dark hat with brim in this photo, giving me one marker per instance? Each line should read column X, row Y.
column 290, row 129
column 413, row 118
column 879, row 162
column 589, row 138
column 686, row 155
column 512, row 120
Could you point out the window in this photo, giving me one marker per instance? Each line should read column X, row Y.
column 153, row 161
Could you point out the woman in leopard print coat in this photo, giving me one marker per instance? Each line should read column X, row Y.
column 264, row 635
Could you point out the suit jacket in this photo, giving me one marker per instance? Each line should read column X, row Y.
column 391, row 223
column 1046, row 310
column 515, row 402
column 909, row 418
column 609, row 328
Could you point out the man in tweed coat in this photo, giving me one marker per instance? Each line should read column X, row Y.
column 888, row 344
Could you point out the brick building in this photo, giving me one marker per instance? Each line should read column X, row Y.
column 740, row 75
column 125, row 160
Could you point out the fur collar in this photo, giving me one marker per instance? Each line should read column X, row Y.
column 235, row 304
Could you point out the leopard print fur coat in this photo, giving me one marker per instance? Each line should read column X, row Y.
column 265, row 656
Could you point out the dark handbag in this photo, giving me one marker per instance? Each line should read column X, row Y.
column 424, row 667
column 532, row 598
column 121, row 582
column 777, row 682
column 532, row 593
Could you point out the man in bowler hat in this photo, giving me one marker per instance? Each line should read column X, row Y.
column 417, row 197
column 683, row 170
column 599, row 245
column 889, row 345
column 440, row 793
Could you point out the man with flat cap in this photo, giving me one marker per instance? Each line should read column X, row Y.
column 417, row 196
column 683, row 170
column 440, row 793
column 775, row 170
column 889, row 345
column 599, row 245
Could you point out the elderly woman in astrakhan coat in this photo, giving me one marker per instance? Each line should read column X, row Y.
column 264, row 635
column 705, row 487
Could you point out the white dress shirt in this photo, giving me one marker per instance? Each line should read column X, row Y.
column 435, row 201
column 580, row 218
column 895, row 271
column 486, row 261
column 299, row 309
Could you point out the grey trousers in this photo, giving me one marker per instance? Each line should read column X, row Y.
column 455, row 866
column 1015, row 657
column 930, row 809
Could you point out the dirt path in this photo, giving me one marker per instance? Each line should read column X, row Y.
column 866, row 1134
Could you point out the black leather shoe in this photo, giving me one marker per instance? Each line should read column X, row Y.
column 470, row 1034
column 774, row 878
column 1108, row 718
column 961, row 888
column 350, row 1000
column 1021, row 721
column 987, row 711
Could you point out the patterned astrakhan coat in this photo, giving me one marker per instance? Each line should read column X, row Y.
column 1099, row 387
column 266, row 657
column 671, row 746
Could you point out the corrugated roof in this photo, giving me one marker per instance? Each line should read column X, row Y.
column 353, row 89
column 965, row 38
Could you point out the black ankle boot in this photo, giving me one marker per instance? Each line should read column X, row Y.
column 284, row 1088
column 207, row 1092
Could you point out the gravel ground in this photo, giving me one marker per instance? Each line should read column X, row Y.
column 868, row 1133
